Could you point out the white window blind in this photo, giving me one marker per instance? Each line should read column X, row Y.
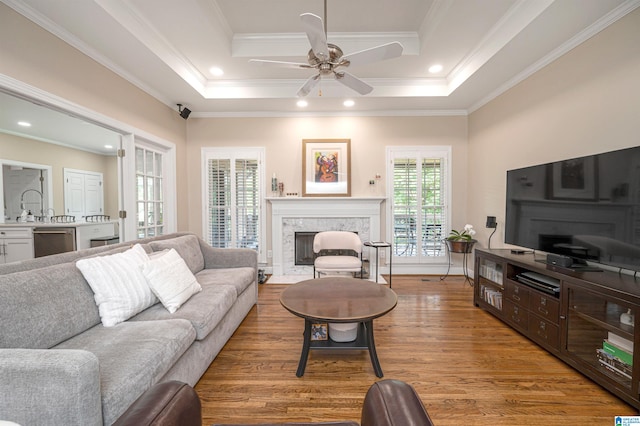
column 418, row 216
column 233, row 198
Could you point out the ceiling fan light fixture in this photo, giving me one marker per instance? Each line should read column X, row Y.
column 302, row 103
column 349, row 103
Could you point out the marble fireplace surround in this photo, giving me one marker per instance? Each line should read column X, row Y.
column 304, row 214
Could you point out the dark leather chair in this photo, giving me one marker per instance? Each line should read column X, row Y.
column 387, row 403
column 164, row 404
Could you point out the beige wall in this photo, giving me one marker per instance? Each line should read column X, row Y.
column 586, row 102
column 282, row 139
column 58, row 157
column 34, row 56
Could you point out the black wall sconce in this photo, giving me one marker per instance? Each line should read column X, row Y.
column 184, row 111
column 491, row 223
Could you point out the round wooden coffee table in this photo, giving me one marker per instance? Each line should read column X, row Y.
column 339, row 300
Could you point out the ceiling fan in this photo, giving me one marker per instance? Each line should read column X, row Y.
column 327, row 58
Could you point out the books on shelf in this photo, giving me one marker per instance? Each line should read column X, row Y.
column 616, row 355
column 614, row 364
column 492, row 297
column 491, row 271
column 624, row 356
column 621, row 342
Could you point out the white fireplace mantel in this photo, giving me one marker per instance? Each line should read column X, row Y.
column 318, row 210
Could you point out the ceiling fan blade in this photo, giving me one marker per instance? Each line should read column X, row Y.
column 312, row 25
column 374, row 54
column 353, row 83
column 279, row 64
column 308, row 85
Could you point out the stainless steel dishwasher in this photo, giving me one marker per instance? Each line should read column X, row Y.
column 53, row 240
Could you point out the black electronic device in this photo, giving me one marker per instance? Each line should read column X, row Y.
column 584, row 209
column 541, row 282
column 559, row 260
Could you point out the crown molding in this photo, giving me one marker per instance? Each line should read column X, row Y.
column 310, row 114
column 258, row 45
column 610, row 18
column 510, row 24
column 81, row 46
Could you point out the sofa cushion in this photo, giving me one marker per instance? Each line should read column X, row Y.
column 239, row 278
column 204, row 310
column 119, row 286
column 170, row 279
column 187, row 246
column 43, row 307
column 132, row 356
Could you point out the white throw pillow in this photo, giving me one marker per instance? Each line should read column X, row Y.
column 120, row 289
column 170, row 279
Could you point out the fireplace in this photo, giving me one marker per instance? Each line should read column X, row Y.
column 291, row 215
column 304, row 248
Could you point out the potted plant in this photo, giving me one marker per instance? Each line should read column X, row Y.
column 461, row 241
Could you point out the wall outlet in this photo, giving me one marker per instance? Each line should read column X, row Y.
column 269, row 254
column 382, row 254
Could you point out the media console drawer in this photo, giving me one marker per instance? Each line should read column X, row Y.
column 516, row 315
column 516, row 292
column 545, row 306
column 544, row 331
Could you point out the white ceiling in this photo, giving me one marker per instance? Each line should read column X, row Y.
column 166, row 47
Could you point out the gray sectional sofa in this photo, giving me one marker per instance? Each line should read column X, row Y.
column 60, row 366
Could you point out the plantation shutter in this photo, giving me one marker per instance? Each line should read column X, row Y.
column 248, row 203
column 433, row 205
column 219, row 208
column 233, row 198
column 418, row 207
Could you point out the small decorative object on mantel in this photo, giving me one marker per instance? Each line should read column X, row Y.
column 461, row 241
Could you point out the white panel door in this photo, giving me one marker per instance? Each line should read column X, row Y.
column 74, row 194
column 83, row 193
column 93, row 195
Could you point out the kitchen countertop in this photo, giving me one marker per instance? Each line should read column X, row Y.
column 14, row 224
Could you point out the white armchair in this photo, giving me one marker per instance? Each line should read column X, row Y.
column 340, row 247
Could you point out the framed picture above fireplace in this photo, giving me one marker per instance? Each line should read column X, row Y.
column 326, row 167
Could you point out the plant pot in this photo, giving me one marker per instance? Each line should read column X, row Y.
column 460, row 246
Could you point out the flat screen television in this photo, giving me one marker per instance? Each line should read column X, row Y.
column 585, row 208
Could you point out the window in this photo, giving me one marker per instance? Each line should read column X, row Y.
column 149, row 192
column 233, row 197
column 418, row 213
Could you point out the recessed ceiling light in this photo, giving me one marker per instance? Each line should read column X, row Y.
column 216, row 71
column 302, row 103
column 435, row 68
column 24, row 124
column 348, row 103
column 108, row 146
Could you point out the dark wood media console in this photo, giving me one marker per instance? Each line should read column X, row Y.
column 589, row 321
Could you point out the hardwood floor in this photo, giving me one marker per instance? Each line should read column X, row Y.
column 468, row 367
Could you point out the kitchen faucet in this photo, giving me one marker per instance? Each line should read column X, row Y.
column 22, row 203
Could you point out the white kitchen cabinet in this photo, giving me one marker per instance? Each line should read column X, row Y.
column 86, row 232
column 16, row 244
